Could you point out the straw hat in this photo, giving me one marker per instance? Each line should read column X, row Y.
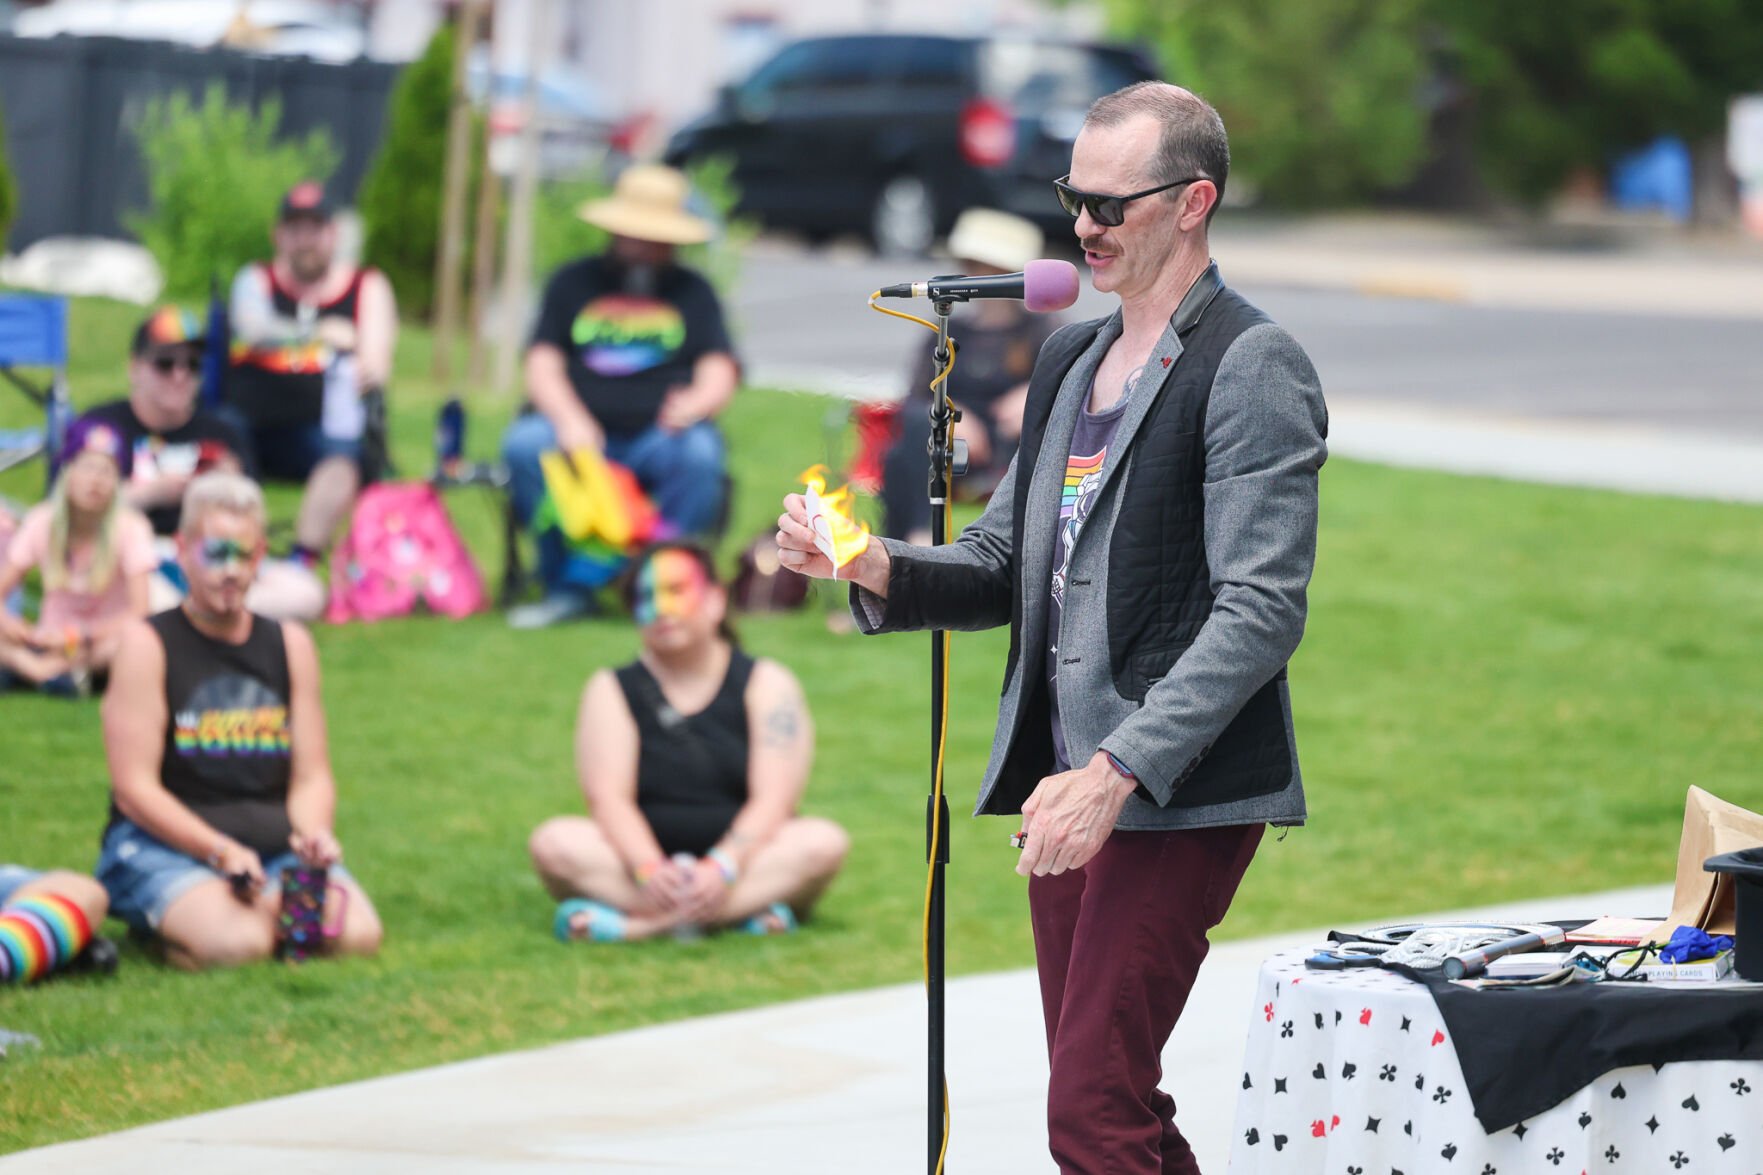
column 649, row 204
column 995, row 238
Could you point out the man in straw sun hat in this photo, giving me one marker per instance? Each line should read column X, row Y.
column 631, row 357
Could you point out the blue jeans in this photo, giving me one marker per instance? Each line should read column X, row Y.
column 682, row 472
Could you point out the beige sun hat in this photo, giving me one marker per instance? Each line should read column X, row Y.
column 649, row 204
column 994, row 238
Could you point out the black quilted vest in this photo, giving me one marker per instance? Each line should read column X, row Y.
column 1159, row 583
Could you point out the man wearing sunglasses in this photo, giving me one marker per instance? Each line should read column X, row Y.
column 214, row 730
column 1151, row 549
column 172, row 435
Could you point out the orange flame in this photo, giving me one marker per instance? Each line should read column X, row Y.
column 839, row 536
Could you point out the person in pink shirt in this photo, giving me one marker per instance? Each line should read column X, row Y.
column 93, row 553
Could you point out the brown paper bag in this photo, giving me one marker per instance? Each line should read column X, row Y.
column 1711, row 826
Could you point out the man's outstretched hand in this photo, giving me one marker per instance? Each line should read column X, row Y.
column 796, row 550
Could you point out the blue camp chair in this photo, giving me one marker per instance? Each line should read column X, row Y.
column 33, row 339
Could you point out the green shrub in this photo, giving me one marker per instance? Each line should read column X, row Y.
column 8, row 190
column 215, row 174
column 401, row 196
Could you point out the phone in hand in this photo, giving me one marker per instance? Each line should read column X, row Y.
column 301, row 929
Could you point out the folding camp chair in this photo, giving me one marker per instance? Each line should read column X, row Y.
column 33, row 337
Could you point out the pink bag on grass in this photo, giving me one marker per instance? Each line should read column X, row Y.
column 401, row 551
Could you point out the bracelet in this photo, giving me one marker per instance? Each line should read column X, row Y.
column 218, row 852
column 1119, row 766
column 646, row 871
column 725, row 863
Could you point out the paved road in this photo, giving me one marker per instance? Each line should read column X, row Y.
column 804, row 323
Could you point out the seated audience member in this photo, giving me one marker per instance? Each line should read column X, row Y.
column 172, row 439
column 48, row 921
column 220, row 773
column 93, row 553
column 693, row 758
column 998, row 342
column 630, row 356
column 312, row 335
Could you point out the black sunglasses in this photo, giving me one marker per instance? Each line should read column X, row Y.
column 166, row 364
column 1108, row 211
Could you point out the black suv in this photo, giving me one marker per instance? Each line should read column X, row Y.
column 895, row 135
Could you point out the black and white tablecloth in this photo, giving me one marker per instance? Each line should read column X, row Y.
column 1353, row 1073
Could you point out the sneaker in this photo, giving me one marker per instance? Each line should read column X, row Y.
column 553, row 609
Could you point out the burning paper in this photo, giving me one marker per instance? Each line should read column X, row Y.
column 840, row 537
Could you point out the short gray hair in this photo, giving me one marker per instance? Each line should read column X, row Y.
column 232, row 492
column 1192, row 142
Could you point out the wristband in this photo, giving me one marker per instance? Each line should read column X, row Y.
column 646, row 871
column 1119, row 766
column 725, row 863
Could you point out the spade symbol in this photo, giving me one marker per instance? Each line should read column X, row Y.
column 1348, row 1070
column 1585, row 1119
column 1246, row 1084
column 1690, row 1103
column 1252, row 1137
column 1450, row 1151
column 1619, row 1091
column 1726, row 1142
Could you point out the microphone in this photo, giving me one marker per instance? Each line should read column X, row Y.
column 1042, row 285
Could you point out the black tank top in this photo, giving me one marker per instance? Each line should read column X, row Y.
column 227, row 735
column 691, row 768
column 283, row 384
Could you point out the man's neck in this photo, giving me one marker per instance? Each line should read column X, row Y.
column 322, row 288
column 160, row 422
column 230, row 628
column 1144, row 316
column 689, row 664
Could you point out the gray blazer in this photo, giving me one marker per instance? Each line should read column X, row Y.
column 1264, row 443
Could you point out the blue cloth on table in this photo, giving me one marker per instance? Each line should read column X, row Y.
column 1689, row 943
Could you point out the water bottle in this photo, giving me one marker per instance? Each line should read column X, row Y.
column 450, row 437
column 687, row 931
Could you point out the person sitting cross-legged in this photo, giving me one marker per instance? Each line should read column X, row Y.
column 220, row 772
column 693, row 759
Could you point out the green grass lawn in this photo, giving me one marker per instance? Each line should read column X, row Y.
column 1504, row 693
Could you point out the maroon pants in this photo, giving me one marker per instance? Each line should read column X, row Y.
column 1118, row 944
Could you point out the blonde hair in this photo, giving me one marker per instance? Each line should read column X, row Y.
column 57, row 574
column 233, row 492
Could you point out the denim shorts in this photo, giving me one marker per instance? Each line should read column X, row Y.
column 291, row 452
column 144, row 876
column 14, row 878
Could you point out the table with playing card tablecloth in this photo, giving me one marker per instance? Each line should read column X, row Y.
column 1356, row 1073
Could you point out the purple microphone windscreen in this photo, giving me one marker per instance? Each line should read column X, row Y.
column 1048, row 285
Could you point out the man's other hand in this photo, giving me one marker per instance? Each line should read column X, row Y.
column 1069, row 815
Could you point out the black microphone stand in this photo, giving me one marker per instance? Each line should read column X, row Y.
column 948, row 458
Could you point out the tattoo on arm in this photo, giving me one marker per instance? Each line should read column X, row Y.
column 783, row 726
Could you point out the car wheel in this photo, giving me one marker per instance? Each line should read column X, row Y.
column 904, row 222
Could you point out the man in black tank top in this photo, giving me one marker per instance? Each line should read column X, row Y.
column 311, row 335
column 220, row 777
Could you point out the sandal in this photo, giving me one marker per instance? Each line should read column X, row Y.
column 604, row 924
column 776, row 918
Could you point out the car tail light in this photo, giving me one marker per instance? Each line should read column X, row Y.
column 988, row 133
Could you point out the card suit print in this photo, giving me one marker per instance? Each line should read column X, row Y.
column 1279, row 1142
column 1450, row 1151
column 1388, row 1073
column 1318, row 1128
column 1689, row 1103
column 1319, row 1072
column 1166, row 362
column 1337, row 1017
column 1406, row 1023
column 1438, row 1037
column 1364, row 1015
column 1611, row 1153
column 1408, row 1127
column 1489, row 1169
column 1420, row 1081
column 1372, row 1124
column 1318, row 1019
column 1252, row 1135
column 1266, row 1011
column 1585, row 1119
column 1740, row 1087
column 1619, row 1092
column 1247, row 1084
column 1441, row 1095
column 1355, row 1171
column 1348, row 1069
column 1333, row 1121
column 1680, row 1160
column 1555, row 1155
column 1726, row 1142
column 1652, row 1125
column 1519, row 1131
column 1285, row 1030
column 1279, row 1085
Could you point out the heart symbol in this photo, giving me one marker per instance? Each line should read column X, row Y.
column 1319, row 1072
column 1726, row 1142
column 1408, row 1127
column 1246, row 1084
column 1585, row 1120
column 1252, row 1137
column 1450, row 1151
column 1420, row 1081
column 1619, row 1091
column 1268, row 1011
column 1364, row 1016
column 1279, row 1142
column 1690, row 1103
column 1318, row 1128
column 1333, row 1121
column 1438, row 1037
column 1166, row 362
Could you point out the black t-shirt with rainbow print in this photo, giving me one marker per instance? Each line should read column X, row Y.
column 627, row 346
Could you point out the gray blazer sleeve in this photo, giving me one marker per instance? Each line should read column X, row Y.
column 962, row 586
column 1264, row 436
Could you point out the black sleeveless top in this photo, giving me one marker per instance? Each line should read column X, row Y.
column 283, row 384
column 691, row 768
column 228, row 740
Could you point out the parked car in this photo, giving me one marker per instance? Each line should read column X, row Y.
column 894, row 135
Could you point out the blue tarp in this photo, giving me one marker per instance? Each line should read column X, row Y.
column 33, row 331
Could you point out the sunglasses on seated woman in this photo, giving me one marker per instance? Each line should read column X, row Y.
column 1107, row 211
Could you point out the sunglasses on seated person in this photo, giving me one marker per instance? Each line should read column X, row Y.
column 166, row 364
column 1108, row 211
column 222, row 552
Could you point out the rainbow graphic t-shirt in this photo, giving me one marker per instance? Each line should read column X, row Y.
column 617, row 335
column 230, row 718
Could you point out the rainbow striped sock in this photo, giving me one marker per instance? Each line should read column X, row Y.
column 39, row 934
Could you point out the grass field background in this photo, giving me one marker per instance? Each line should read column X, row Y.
column 1504, row 692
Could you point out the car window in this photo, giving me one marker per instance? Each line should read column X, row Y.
column 1038, row 78
column 929, row 61
column 831, row 64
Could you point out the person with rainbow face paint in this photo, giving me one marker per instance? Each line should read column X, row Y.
column 693, row 759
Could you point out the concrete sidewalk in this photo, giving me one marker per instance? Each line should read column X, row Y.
column 832, row 1084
